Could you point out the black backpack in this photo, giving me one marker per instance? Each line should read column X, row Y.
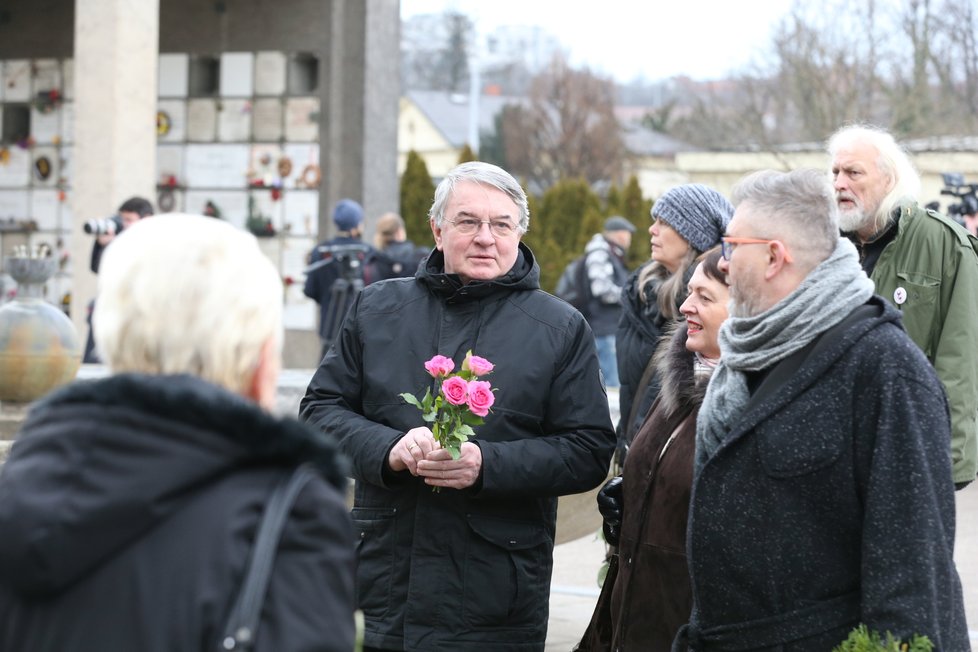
column 396, row 262
column 573, row 286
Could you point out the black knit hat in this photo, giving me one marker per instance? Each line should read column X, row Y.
column 698, row 213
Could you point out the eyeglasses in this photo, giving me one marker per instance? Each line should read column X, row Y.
column 469, row 226
column 727, row 246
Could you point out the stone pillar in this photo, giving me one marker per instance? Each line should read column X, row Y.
column 358, row 123
column 114, row 157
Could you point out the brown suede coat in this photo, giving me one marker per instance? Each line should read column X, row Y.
column 648, row 599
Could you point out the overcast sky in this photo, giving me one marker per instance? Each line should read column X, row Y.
column 626, row 39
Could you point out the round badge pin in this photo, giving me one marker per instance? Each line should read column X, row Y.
column 899, row 296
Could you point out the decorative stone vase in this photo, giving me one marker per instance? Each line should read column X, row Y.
column 39, row 346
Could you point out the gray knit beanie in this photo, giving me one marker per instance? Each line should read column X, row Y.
column 698, row 213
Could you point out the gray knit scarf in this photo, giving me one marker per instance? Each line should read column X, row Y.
column 827, row 295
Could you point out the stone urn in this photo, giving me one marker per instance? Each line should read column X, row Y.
column 39, row 346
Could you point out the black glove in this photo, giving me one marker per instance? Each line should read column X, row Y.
column 609, row 504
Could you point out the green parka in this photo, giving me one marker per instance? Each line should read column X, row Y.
column 930, row 273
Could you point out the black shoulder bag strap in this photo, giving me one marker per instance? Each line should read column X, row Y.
column 240, row 629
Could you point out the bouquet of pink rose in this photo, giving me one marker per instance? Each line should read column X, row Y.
column 461, row 402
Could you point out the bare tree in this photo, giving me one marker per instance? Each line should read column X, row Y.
column 567, row 129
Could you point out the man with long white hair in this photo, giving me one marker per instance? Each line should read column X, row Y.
column 129, row 504
column 922, row 262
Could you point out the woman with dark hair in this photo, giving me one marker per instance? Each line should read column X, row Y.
column 646, row 595
column 686, row 221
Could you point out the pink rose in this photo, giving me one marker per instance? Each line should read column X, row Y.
column 479, row 366
column 481, row 397
column 455, row 389
column 439, row 366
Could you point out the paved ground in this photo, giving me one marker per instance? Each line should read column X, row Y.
column 574, row 589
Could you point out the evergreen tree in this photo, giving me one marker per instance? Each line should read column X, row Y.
column 467, row 155
column 417, row 193
column 566, row 217
column 637, row 210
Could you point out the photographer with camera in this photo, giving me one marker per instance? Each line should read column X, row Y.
column 965, row 212
column 335, row 272
column 105, row 230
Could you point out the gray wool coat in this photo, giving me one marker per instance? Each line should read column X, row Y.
column 831, row 503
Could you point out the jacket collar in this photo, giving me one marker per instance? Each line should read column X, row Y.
column 524, row 275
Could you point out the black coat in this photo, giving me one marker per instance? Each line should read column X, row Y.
column 830, row 503
column 463, row 570
column 640, row 330
column 128, row 507
column 325, row 269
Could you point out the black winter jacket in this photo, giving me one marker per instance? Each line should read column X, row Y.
column 128, row 507
column 640, row 330
column 830, row 503
column 463, row 570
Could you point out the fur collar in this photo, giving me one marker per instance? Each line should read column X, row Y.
column 680, row 389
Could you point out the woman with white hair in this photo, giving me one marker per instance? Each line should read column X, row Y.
column 129, row 505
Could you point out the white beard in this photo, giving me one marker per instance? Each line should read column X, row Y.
column 852, row 219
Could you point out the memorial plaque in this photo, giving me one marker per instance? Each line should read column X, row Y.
column 47, row 76
column 304, row 160
column 68, row 122
column 270, row 73
column 65, row 157
column 13, row 205
column 302, row 119
column 234, row 121
column 44, row 209
column 216, row 166
column 301, row 214
column 264, row 163
column 17, row 81
column 173, row 73
column 171, row 121
column 267, row 117
column 237, row 74
column 264, row 206
column 16, row 171
column 202, row 120
column 232, row 204
column 169, row 163
column 46, row 126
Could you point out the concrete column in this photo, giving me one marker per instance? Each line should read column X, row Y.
column 114, row 157
column 358, row 123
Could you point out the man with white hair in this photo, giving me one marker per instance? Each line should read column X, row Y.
column 822, row 496
column 129, row 505
column 922, row 262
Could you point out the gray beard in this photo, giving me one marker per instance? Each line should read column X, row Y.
column 743, row 306
column 852, row 220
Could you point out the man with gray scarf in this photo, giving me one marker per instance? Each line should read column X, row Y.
column 822, row 496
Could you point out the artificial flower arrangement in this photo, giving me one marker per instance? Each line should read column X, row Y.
column 462, row 400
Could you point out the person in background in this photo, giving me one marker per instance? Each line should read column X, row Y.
column 646, row 595
column 922, row 262
column 466, row 568
column 129, row 504
column 606, row 274
column 394, row 255
column 131, row 211
column 336, row 269
column 822, row 496
column 686, row 221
